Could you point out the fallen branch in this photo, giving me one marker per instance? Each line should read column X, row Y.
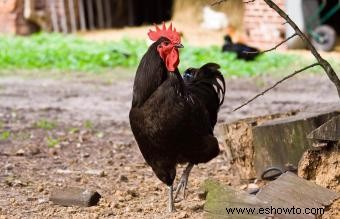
column 277, row 83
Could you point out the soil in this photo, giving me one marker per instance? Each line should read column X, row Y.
column 56, row 130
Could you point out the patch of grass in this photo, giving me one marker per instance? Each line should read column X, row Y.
column 5, row 135
column 52, row 142
column 88, row 124
column 56, row 51
column 51, row 52
column 45, row 124
column 73, row 130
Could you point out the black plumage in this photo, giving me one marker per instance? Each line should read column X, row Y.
column 172, row 118
column 242, row 51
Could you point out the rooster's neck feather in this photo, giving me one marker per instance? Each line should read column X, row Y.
column 151, row 73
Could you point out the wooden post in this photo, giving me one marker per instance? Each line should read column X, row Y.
column 89, row 6
column 72, row 15
column 54, row 16
column 100, row 13
column 63, row 17
column 82, row 15
column 108, row 17
column 130, row 12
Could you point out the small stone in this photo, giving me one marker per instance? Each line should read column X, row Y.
column 100, row 173
column 20, row 152
column 9, row 167
column 132, row 192
column 31, row 199
column 34, row 151
column 42, row 201
column 77, row 179
column 121, row 198
column 110, row 162
column 202, row 195
column 19, row 183
column 86, row 155
column 128, row 197
column 53, row 152
column 40, row 188
column 243, row 187
column 253, row 188
column 123, row 178
column 75, row 197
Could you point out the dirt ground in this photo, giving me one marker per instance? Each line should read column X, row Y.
column 59, row 129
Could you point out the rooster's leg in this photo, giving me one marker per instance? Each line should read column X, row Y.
column 171, row 207
column 184, row 180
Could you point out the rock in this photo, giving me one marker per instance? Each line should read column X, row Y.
column 9, row 167
column 100, row 173
column 42, row 201
column 252, row 189
column 132, row 192
column 123, row 178
column 75, row 197
column 34, row 151
column 40, row 188
column 31, row 199
column 20, row 152
column 86, row 155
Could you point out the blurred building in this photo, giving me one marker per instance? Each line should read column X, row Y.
column 27, row 16
column 253, row 23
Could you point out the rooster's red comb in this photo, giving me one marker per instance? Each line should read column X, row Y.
column 169, row 33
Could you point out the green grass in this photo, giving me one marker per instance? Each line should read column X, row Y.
column 52, row 142
column 5, row 135
column 88, row 124
column 70, row 53
column 45, row 124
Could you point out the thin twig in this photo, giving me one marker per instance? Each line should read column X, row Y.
column 220, row 1
column 275, row 47
column 277, row 83
column 323, row 63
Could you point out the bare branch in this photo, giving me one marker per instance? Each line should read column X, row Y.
column 220, row 1
column 320, row 61
column 323, row 63
column 275, row 47
column 277, row 83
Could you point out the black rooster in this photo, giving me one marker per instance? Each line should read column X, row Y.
column 172, row 118
column 242, row 50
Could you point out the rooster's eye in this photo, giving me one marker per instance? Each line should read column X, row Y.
column 166, row 43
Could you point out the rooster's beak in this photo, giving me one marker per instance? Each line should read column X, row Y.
column 179, row 45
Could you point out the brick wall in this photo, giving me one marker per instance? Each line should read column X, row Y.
column 263, row 26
